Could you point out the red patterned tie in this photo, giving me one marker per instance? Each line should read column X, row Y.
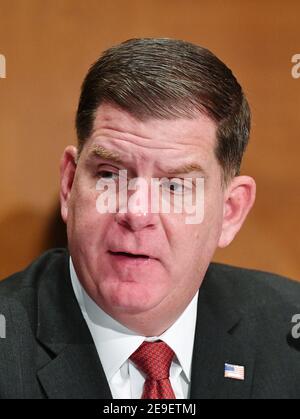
column 154, row 359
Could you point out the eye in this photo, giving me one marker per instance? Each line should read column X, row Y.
column 107, row 175
column 178, row 186
column 174, row 186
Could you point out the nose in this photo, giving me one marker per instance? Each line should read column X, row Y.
column 135, row 216
column 135, row 220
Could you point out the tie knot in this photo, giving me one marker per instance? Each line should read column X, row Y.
column 154, row 359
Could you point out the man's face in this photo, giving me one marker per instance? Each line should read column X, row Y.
column 179, row 253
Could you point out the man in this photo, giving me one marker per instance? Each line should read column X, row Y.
column 135, row 308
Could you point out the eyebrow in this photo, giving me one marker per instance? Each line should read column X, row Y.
column 186, row 168
column 105, row 154
column 101, row 152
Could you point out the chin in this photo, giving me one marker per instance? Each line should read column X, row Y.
column 132, row 298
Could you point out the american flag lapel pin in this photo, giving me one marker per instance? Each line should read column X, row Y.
column 237, row 372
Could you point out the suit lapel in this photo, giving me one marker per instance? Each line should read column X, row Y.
column 217, row 342
column 75, row 373
column 72, row 368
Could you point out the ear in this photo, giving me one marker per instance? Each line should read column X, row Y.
column 239, row 198
column 67, row 172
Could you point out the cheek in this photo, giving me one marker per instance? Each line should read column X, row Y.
column 193, row 245
column 85, row 224
column 213, row 214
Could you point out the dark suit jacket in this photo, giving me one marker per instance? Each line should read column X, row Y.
column 244, row 318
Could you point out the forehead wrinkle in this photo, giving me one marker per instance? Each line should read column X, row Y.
column 150, row 147
column 113, row 121
column 140, row 140
column 117, row 134
column 118, row 143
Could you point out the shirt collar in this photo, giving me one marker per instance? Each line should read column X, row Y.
column 115, row 342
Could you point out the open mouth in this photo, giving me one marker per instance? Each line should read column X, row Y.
column 129, row 255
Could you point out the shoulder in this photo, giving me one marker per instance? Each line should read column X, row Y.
column 258, row 310
column 23, row 285
column 22, row 293
column 252, row 288
column 252, row 278
column 20, row 354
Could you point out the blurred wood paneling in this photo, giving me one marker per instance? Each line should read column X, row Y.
column 49, row 46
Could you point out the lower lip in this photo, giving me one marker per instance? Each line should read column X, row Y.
column 128, row 261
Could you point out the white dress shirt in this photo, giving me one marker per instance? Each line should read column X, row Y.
column 115, row 344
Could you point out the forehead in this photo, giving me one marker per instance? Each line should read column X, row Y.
column 157, row 139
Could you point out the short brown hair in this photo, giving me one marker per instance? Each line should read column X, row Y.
column 167, row 78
